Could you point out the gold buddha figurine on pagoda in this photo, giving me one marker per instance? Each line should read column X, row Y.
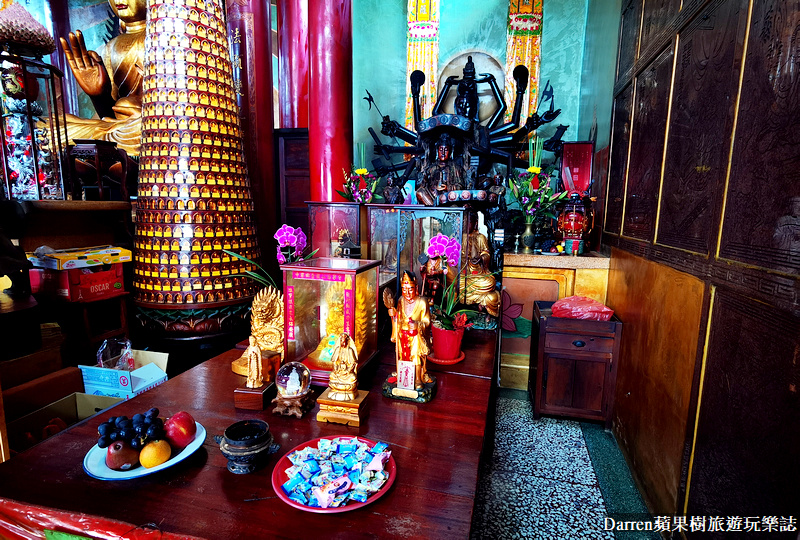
column 112, row 78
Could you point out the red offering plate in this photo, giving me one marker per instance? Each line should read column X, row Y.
column 279, row 478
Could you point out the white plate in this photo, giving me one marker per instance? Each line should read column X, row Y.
column 95, row 461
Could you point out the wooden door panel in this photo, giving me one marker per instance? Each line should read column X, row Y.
column 647, row 147
column 629, row 36
column 587, row 392
column 761, row 225
column 558, row 387
column 747, row 446
column 620, row 138
column 697, row 157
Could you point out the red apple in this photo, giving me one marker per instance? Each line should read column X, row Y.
column 181, row 429
column 121, row 457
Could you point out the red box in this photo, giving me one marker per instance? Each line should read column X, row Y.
column 79, row 284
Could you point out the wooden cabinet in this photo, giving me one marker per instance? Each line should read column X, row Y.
column 575, row 366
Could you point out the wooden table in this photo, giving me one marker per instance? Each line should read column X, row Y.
column 437, row 447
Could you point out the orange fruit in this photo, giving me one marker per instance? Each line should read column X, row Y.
column 155, row 453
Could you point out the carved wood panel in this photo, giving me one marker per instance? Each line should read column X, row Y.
column 620, row 136
column 697, row 156
column 656, row 17
column 761, row 225
column 747, row 446
column 629, row 36
column 647, row 147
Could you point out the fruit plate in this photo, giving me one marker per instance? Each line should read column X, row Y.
column 279, row 477
column 95, row 461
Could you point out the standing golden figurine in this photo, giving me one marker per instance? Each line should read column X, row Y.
column 254, row 378
column 410, row 321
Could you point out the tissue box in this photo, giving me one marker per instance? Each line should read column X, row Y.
column 151, row 370
column 65, row 259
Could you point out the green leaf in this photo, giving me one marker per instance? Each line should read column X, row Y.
column 345, row 195
column 310, row 255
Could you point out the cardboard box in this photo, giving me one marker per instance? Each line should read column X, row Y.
column 79, row 284
column 151, row 370
column 32, row 428
column 65, row 259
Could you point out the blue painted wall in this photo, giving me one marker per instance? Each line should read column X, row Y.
column 379, row 65
column 563, row 28
column 599, row 64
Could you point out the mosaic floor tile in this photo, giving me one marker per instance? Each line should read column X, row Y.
column 540, row 483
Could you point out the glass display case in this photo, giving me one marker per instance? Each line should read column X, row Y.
column 330, row 224
column 32, row 123
column 416, row 225
column 324, row 297
column 382, row 239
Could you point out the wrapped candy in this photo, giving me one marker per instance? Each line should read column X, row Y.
column 335, row 472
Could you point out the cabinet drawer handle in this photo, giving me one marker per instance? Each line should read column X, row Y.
column 579, row 343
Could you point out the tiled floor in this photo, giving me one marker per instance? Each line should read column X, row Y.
column 540, row 482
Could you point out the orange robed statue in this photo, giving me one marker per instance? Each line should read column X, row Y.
column 410, row 320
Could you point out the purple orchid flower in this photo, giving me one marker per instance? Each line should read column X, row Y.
column 438, row 245
column 301, row 242
column 281, row 258
column 286, row 236
column 453, row 251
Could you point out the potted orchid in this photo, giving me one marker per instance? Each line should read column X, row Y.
column 449, row 323
column 531, row 190
column 291, row 244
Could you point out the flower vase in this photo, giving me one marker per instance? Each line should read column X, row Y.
column 528, row 238
column 446, row 345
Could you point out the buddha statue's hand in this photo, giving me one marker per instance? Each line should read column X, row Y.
column 87, row 66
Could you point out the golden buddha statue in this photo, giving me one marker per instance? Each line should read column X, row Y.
column 343, row 382
column 477, row 284
column 112, row 78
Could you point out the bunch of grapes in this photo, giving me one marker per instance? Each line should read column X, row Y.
column 136, row 431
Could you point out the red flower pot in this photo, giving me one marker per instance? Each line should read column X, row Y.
column 446, row 345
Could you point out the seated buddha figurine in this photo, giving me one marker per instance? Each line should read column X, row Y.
column 442, row 174
column 112, row 78
column 477, row 284
column 343, row 383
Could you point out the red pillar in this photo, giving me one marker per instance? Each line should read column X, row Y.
column 293, row 62
column 330, row 117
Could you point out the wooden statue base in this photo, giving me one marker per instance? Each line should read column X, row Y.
column 297, row 405
column 270, row 362
column 254, row 399
column 424, row 395
column 349, row 413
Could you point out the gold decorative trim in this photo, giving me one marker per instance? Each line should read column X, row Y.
column 733, row 130
column 699, row 395
column 675, row 48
